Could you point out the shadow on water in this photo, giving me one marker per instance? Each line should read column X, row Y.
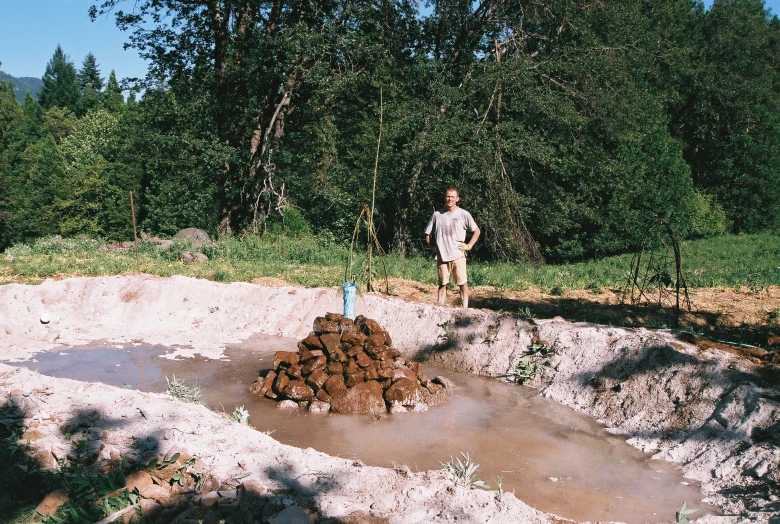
column 553, row 458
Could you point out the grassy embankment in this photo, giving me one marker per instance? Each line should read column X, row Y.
column 745, row 261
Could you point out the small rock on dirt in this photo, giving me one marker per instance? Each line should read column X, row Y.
column 292, row 515
column 188, row 257
column 52, row 502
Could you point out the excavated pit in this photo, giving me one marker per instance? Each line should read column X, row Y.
column 548, row 455
column 711, row 413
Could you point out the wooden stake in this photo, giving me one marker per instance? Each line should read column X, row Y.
column 135, row 235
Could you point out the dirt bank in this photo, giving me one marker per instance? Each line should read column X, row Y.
column 714, row 412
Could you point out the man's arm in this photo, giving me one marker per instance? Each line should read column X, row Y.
column 463, row 246
column 474, row 238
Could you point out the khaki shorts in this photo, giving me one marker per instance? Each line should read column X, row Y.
column 458, row 270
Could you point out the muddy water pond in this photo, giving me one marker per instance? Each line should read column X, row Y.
column 551, row 457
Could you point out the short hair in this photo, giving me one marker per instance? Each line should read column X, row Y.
column 452, row 189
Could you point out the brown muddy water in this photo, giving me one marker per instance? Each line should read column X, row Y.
column 550, row 456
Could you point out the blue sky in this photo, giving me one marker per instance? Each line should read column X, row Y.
column 31, row 29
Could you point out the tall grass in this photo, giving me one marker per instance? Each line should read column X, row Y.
column 751, row 261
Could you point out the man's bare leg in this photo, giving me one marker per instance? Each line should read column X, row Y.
column 464, row 295
column 442, row 294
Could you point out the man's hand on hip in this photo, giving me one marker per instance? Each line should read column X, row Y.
column 464, row 246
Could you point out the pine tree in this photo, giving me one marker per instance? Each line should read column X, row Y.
column 90, row 85
column 90, row 74
column 33, row 117
column 60, row 85
column 10, row 115
column 112, row 97
column 10, row 123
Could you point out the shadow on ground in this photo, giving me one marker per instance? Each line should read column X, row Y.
column 706, row 324
column 96, row 489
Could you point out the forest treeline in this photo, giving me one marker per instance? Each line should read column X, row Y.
column 566, row 124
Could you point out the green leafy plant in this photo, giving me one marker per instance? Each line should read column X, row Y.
column 524, row 370
column 679, row 516
column 240, row 415
column 500, row 484
column 463, row 472
column 80, row 447
column 540, row 348
column 593, row 288
column 526, row 312
column 93, row 496
column 178, row 389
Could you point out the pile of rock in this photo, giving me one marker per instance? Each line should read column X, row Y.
column 349, row 366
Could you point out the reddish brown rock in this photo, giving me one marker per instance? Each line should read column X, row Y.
column 363, row 360
column 353, row 379
column 314, row 364
column 352, row 351
column 377, row 340
column 388, row 373
column 353, row 337
column 371, row 371
column 331, row 342
column 365, row 397
column 281, row 382
column 257, row 386
column 268, row 381
column 317, row 379
column 323, row 325
column 295, row 372
column 371, row 326
column 323, row 396
column 298, row 390
column 377, row 352
column 406, row 392
column 404, row 372
column 304, row 354
column 339, row 356
column 287, row 358
column 335, row 368
column 352, row 367
column 335, row 384
column 312, row 342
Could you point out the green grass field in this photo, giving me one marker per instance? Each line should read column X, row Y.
column 751, row 261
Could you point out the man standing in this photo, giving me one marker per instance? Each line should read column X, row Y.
column 449, row 225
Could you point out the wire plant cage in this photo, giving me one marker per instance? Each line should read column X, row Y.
column 656, row 276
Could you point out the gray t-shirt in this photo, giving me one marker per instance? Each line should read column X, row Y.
column 449, row 228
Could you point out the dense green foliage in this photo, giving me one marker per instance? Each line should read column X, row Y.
column 566, row 124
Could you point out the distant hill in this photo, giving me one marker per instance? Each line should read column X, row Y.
column 22, row 85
